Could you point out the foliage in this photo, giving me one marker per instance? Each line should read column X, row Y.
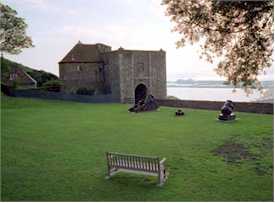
column 42, row 77
column 238, row 33
column 55, row 151
column 13, row 36
column 85, row 91
column 39, row 75
column 53, row 85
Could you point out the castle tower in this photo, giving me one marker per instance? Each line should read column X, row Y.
column 139, row 73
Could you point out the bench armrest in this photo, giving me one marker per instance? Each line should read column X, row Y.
column 162, row 161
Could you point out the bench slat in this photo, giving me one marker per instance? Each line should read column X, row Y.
column 152, row 163
column 149, row 165
column 131, row 162
column 116, row 160
column 110, row 159
column 120, row 161
column 135, row 162
column 133, row 155
column 137, row 158
column 126, row 162
column 146, row 165
column 156, row 165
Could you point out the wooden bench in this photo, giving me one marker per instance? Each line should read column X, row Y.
column 147, row 165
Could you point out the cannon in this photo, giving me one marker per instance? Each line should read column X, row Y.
column 147, row 104
column 227, row 111
column 179, row 112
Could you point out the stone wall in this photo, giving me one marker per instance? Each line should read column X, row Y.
column 158, row 74
column 265, row 108
column 112, row 73
column 126, row 73
column 139, row 67
column 82, row 75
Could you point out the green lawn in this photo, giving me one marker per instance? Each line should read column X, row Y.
column 55, row 151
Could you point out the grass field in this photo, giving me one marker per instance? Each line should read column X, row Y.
column 55, row 151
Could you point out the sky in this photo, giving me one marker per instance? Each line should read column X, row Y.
column 55, row 26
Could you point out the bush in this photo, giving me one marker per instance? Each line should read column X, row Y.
column 53, row 85
column 85, row 91
column 7, row 90
column 42, row 77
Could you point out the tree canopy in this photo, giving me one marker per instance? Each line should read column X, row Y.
column 237, row 33
column 13, row 36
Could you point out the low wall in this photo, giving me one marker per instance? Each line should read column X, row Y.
column 33, row 93
column 265, row 108
column 128, row 101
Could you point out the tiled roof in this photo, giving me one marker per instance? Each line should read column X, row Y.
column 83, row 53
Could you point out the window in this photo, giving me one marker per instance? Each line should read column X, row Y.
column 13, row 76
column 78, row 68
column 140, row 67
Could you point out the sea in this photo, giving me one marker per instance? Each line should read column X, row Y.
column 219, row 93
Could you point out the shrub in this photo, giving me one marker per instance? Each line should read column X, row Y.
column 42, row 77
column 53, row 85
column 85, row 91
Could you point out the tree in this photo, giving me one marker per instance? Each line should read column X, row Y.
column 13, row 36
column 237, row 33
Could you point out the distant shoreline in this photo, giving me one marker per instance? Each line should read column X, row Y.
column 220, row 93
column 211, row 84
column 194, row 86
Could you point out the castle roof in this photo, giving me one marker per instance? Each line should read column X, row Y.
column 85, row 53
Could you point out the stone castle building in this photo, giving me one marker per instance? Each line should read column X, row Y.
column 125, row 74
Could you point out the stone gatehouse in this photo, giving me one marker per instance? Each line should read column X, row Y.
column 126, row 74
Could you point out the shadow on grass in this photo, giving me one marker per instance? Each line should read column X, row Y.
column 133, row 180
column 235, row 153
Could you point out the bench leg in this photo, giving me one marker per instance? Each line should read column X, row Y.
column 110, row 173
column 161, row 177
column 161, row 181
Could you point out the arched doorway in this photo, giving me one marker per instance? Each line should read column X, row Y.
column 140, row 92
